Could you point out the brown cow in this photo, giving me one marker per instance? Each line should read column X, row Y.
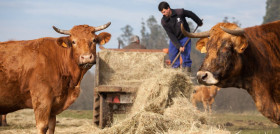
column 244, row 58
column 206, row 95
column 44, row 74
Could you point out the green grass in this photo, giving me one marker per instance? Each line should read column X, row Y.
column 266, row 131
column 244, row 123
column 79, row 114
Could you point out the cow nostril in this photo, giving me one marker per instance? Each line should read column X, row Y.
column 82, row 57
column 204, row 76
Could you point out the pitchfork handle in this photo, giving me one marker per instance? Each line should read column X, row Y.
column 184, row 46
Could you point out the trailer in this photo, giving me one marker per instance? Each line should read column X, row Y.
column 118, row 74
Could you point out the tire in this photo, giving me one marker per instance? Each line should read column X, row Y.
column 96, row 109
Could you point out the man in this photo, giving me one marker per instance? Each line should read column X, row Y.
column 171, row 22
column 135, row 43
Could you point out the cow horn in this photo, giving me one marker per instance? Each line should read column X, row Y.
column 102, row 27
column 67, row 32
column 237, row 31
column 195, row 35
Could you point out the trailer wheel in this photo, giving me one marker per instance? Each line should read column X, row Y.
column 102, row 113
column 96, row 109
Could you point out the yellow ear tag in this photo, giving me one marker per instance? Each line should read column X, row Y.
column 203, row 50
column 102, row 42
column 64, row 45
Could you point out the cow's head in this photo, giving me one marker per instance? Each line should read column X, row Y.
column 82, row 41
column 223, row 48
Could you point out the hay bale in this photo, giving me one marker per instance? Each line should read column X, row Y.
column 128, row 68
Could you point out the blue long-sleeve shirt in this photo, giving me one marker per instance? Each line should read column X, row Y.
column 172, row 25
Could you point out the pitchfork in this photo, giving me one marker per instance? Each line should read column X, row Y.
column 184, row 46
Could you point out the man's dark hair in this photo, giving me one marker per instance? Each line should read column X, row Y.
column 163, row 5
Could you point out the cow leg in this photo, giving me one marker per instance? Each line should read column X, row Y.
column 0, row 120
column 210, row 104
column 204, row 105
column 52, row 123
column 42, row 120
column 210, row 108
column 194, row 103
column 4, row 120
column 42, row 108
column 42, row 116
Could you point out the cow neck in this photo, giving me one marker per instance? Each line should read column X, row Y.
column 261, row 63
column 254, row 65
column 73, row 69
column 66, row 64
column 261, row 58
column 249, row 66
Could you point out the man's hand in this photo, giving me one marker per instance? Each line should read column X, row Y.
column 201, row 23
column 182, row 49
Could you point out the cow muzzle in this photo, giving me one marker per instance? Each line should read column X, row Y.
column 206, row 78
column 86, row 60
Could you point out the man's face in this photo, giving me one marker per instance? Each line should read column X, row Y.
column 166, row 12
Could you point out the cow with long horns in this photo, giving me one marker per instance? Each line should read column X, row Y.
column 246, row 58
column 45, row 74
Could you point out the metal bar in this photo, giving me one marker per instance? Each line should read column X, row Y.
column 136, row 50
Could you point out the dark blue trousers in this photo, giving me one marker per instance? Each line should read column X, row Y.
column 186, row 55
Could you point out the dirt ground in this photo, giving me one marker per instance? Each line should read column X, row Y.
column 80, row 122
column 23, row 122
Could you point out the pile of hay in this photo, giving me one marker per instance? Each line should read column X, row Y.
column 162, row 106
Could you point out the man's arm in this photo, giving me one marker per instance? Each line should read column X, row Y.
column 193, row 16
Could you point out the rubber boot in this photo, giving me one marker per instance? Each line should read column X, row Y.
column 186, row 69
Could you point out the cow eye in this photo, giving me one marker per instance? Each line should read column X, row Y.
column 73, row 42
column 94, row 40
column 225, row 49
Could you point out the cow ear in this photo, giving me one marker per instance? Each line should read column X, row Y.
column 240, row 48
column 64, row 42
column 103, row 38
column 200, row 45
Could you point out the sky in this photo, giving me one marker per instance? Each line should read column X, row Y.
column 32, row 19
